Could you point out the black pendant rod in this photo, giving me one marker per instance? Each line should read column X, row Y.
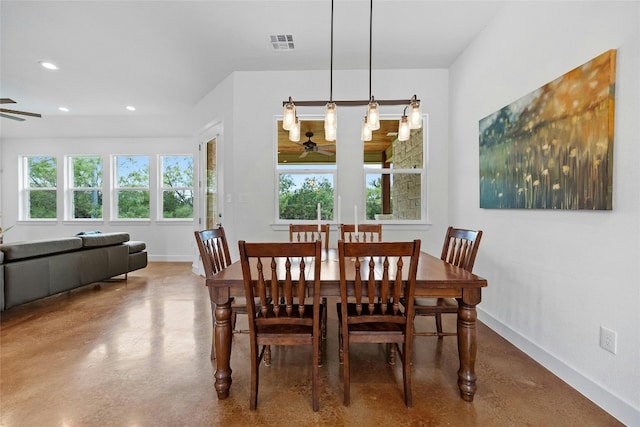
column 370, row 42
column 331, row 76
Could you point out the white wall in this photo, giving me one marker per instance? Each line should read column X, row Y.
column 165, row 241
column 249, row 152
column 556, row 276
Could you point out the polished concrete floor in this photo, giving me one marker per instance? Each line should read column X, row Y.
column 136, row 353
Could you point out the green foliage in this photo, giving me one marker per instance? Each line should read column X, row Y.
column 300, row 203
column 374, row 198
column 42, row 204
column 42, row 174
column 177, row 173
column 87, row 173
column 133, row 204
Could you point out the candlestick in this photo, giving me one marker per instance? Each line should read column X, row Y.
column 339, row 210
column 319, row 215
column 355, row 218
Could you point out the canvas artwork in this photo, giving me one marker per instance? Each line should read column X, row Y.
column 553, row 148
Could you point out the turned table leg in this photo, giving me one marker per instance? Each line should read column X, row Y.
column 467, row 344
column 223, row 349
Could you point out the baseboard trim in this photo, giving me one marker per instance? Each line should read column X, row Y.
column 623, row 411
column 170, row 258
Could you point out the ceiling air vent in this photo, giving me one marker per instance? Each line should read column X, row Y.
column 282, row 41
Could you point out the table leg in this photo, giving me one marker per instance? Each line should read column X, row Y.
column 467, row 344
column 223, row 349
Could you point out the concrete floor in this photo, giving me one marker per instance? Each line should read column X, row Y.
column 136, row 353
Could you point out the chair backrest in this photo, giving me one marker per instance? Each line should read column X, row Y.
column 276, row 277
column 460, row 247
column 366, row 233
column 309, row 233
column 214, row 250
column 382, row 272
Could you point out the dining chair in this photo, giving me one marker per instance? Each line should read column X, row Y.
column 271, row 271
column 366, row 233
column 374, row 277
column 309, row 233
column 460, row 248
column 215, row 256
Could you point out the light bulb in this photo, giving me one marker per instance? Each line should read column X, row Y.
column 289, row 115
column 294, row 132
column 373, row 115
column 403, row 130
column 365, row 133
column 415, row 116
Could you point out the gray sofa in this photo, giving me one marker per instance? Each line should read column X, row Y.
column 36, row 269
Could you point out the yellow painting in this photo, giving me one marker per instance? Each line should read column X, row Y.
column 553, row 148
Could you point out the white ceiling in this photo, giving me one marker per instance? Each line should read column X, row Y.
column 164, row 56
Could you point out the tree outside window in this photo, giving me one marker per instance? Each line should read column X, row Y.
column 132, row 187
column 177, row 187
column 40, row 184
column 86, row 187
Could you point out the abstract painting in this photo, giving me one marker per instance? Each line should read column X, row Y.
column 553, row 148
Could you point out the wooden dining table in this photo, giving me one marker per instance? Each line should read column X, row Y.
column 435, row 279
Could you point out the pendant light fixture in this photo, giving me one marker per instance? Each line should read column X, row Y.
column 371, row 121
column 331, row 115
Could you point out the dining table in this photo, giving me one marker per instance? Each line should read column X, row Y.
column 435, row 278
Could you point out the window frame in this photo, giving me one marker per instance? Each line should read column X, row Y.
column 161, row 188
column 116, row 189
column 70, row 189
column 368, row 168
column 26, row 188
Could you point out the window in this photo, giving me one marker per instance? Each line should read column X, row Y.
column 177, row 187
column 85, row 187
column 306, row 174
column 132, row 187
column 40, row 188
column 394, row 175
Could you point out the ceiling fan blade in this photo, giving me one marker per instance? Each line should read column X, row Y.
column 6, row 116
column 327, row 146
column 326, row 153
column 303, row 155
column 7, row 101
column 24, row 113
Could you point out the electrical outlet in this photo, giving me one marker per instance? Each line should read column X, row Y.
column 608, row 340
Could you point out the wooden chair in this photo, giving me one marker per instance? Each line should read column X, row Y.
column 272, row 271
column 214, row 252
column 460, row 248
column 309, row 233
column 366, row 233
column 383, row 274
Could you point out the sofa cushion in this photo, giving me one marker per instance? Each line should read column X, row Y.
column 34, row 248
column 136, row 246
column 104, row 239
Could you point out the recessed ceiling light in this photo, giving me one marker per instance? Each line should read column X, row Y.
column 131, row 108
column 65, row 109
column 48, row 65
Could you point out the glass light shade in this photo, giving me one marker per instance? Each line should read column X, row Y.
column 289, row 115
column 365, row 133
column 415, row 116
column 373, row 116
column 294, row 132
column 330, row 134
column 330, row 116
column 403, row 130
